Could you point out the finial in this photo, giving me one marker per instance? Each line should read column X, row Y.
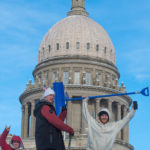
column 78, row 8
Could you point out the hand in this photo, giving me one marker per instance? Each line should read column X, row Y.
column 71, row 131
column 135, row 105
column 64, row 108
column 7, row 128
column 85, row 97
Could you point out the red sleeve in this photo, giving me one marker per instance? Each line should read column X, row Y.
column 3, row 137
column 63, row 115
column 54, row 120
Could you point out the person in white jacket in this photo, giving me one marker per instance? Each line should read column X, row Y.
column 101, row 135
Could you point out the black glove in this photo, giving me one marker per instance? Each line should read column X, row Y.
column 64, row 108
column 135, row 105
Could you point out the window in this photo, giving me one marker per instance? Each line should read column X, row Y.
column 77, row 45
column 98, row 76
column 103, row 103
column 40, row 78
column 88, row 78
column 88, row 46
column 77, row 78
column 57, row 46
column 46, row 75
column 113, row 77
column 97, row 47
column 106, row 77
column 67, row 45
column 66, row 77
column 55, row 76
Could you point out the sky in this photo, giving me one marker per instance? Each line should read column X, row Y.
column 23, row 25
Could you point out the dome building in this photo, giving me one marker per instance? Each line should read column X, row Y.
column 78, row 52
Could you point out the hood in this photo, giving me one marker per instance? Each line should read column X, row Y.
column 16, row 138
column 107, row 111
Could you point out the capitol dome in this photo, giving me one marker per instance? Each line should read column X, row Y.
column 77, row 35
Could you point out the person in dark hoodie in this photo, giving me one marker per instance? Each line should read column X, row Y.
column 15, row 142
column 48, row 129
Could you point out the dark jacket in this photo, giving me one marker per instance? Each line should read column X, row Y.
column 46, row 135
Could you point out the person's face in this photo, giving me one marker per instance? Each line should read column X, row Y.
column 16, row 144
column 50, row 98
column 103, row 118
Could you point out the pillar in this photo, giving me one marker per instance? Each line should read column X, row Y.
column 110, row 106
column 69, row 113
column 97, row 107
column 32, row 120
column 26, row 122
column 83, row 122
column 22, row 122
column 126, row 129
column 119, row 118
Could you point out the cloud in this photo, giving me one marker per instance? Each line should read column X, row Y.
column 137, row 63
column 143, row 77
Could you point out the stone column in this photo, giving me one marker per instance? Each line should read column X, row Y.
column 110, row 106
column 69, row 113
column 22, row 122
column 97, row 107
column 119, row 118
column 26, row 122
column 83, row 123
column 32, row 120
column 126, row 129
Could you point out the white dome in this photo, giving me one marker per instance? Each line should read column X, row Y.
column 77, row 35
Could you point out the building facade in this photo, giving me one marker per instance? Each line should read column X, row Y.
column 78, row 52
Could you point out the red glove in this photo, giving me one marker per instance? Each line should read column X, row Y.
column 71, row 131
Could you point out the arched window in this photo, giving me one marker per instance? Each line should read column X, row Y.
column 97, row 47
column 88, row 46
column 67, row 45
column 57, row 46
column 77, row 45
column 104, row 103
column 114, row 111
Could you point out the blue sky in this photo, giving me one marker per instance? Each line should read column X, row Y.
column 23, row 24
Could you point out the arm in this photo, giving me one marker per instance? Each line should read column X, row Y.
column 3, row 137
column 122, row 123
column 63, row 113
column 85, row 111
column 54, row 120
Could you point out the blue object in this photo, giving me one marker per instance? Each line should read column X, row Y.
column 58, row 87
column 61, row 97
column 144, row 92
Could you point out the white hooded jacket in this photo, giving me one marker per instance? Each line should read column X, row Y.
column 102, row 136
